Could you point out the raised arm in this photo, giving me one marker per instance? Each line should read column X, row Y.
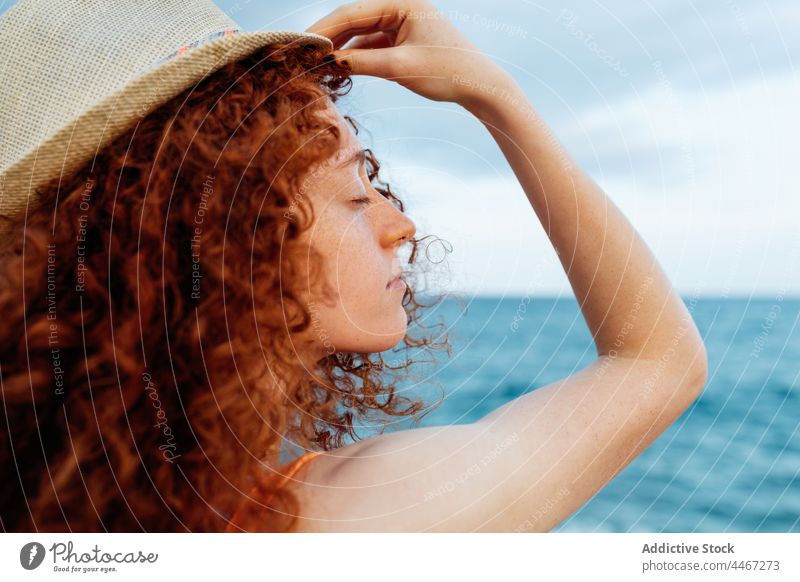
column 625, row 297
column 529, row 464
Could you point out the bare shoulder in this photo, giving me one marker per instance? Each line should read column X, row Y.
column 385, row 483
column 526, row 466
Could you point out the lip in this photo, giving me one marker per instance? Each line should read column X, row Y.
column 396, row 283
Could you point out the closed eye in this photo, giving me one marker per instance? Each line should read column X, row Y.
column 363, row 201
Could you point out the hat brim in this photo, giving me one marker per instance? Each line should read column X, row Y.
column 71, row 146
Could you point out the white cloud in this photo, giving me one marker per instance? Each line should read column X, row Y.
column 727, row 226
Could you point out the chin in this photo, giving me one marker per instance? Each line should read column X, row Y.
column 388, row 342
column 377, row 341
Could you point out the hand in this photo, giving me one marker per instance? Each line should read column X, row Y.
column 412, row 43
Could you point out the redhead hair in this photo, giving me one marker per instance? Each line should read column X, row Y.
column 147, row 368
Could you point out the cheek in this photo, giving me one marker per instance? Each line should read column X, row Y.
column 364, row 315
column 348, row 254
column 358, row 266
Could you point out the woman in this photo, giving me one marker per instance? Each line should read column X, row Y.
column 532, row 462
column 224, row 275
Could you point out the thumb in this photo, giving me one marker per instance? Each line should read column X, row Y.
column 378, row 62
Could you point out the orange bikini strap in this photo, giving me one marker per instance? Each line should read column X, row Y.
column 291, row 468
column 285, row 472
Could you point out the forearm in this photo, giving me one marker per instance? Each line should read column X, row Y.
column 626, row 299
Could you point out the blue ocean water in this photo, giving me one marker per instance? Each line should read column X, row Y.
column 730, row 463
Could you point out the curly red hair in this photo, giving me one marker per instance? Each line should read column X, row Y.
column 146, row 359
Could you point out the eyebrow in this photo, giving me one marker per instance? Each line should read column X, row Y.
column 359, row 156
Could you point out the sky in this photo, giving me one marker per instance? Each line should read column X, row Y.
column 684, row 112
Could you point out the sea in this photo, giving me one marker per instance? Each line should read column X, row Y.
column 730, row 463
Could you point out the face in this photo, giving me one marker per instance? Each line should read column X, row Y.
column 357, row 233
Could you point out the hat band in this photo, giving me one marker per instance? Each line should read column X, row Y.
column 190, row 45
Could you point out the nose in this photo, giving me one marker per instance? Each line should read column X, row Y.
column 398, row 227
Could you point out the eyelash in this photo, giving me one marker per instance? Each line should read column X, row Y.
column 362, row 201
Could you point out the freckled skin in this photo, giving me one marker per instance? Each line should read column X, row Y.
column 358, row 243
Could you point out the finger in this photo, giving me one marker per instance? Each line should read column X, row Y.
column 374, row 62
column 358, row 18
column 376, row 40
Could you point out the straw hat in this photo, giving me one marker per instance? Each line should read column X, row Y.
column 75, row 74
